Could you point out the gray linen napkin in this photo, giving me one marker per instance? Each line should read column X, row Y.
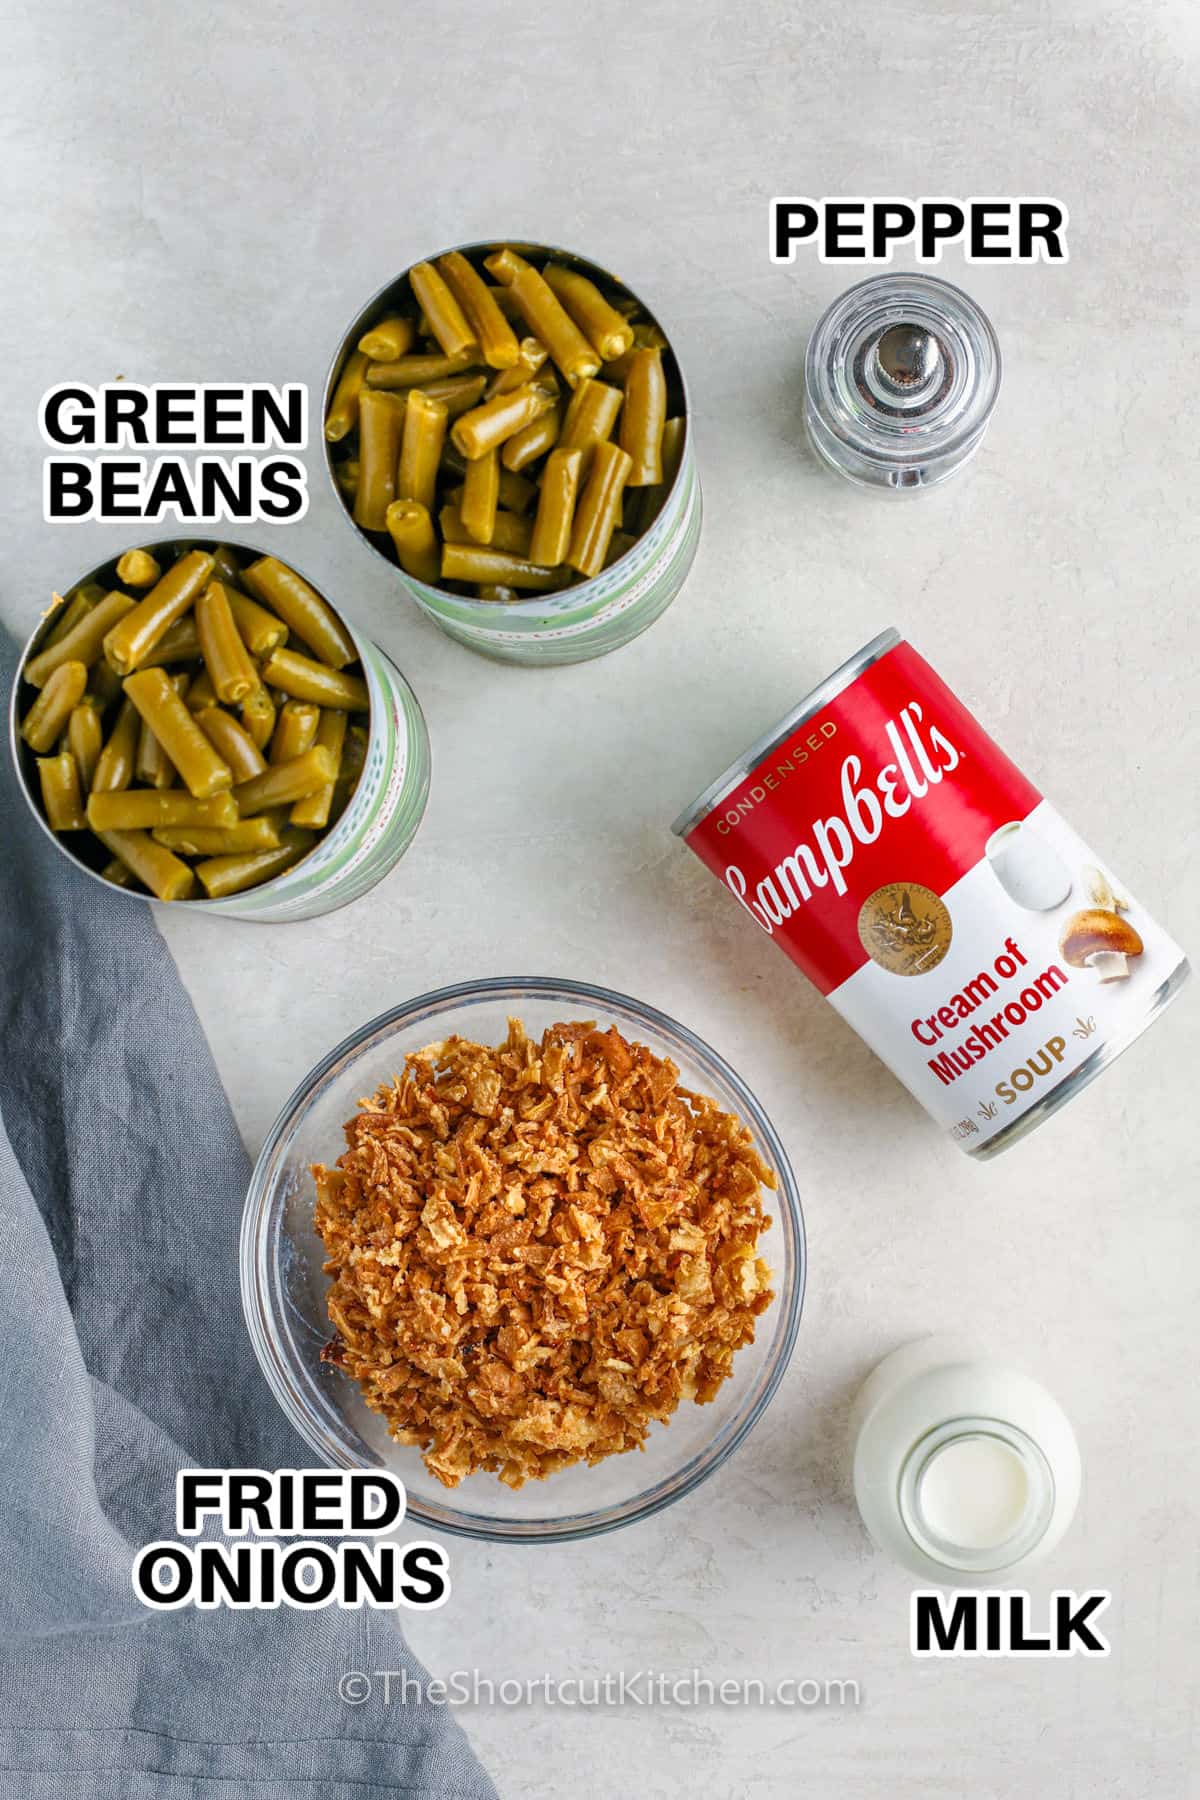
column 122, row 1357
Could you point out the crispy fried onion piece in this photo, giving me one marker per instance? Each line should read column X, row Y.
column 540, row 1248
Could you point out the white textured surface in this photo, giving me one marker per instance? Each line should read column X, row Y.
column 209, row 193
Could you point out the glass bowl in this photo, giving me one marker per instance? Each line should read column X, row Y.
column 283, row 1286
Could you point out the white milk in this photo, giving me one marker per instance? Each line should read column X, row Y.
column 974, row 1492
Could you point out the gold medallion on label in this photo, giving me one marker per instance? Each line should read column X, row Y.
column 905, row 928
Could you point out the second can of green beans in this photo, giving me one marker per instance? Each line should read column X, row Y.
column 590, row 617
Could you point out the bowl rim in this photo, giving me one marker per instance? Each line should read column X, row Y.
column 486, row 609
column 255, row 1272
column 229, row 906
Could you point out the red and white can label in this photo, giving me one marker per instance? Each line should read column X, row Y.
column 893, row 851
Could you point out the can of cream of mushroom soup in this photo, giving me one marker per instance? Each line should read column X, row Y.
column 919, row 879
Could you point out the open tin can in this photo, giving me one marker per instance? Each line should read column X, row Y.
column 590, row 617
column 949, row 913
column 373, row 831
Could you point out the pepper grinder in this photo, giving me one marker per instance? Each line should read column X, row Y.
column 901, row 376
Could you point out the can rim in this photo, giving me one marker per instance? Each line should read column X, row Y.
column 227, row 906
column 530, row 608
column 812, row 702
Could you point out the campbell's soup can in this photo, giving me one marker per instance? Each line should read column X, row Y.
column 920, row 880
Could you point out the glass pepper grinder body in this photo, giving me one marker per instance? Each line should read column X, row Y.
column 901, row 376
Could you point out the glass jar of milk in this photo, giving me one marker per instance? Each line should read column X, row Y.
column 964, row 1468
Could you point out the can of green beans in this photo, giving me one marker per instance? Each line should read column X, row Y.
column 365, row 840
column 649, row 558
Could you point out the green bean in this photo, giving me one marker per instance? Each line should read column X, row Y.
column 153, row 765
column 260, row 630
column 591, row 414
column 545, row 315
column 531, row 359
column 415, row 371
column 474, row 562
column 354, row 758
column 230, row 666
column 445, row 317
column 488, row 426
column 481, row 491
column 556, row 509
column 302, row 679
column 346, row 475
column 140, row 630
column 618, row 544
column 646, row 336
column 218, row 840
column 387, row 338
column 411, row 531
column 226, row 567
column 509, row 531
column 258, row 716
column 380, row 423
column 47, row 717
column 202, row 693
column 67, row 614
column 314, row 809
column 517, row 493
column 180, row 644
column 599, row 508
column 232, row 742
column 342, row 416
column 506, row 300
column 295, row 730
column 607, row 332
column 202, row 771
column 140, row 809
column 457, row 393
column 116, row 765
column 120, row 876
column 58, row 777
column 650, row 500
column 526, row 446
column 138, row 569
column 302, row 610
column 492, row 332
column 85, row 739
column 420, row 449
column 644, row 417
column 223, row 875
column 156, row 868
column 104, row 685
column 285, row 782
column 84, row 642
column 489, row 591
